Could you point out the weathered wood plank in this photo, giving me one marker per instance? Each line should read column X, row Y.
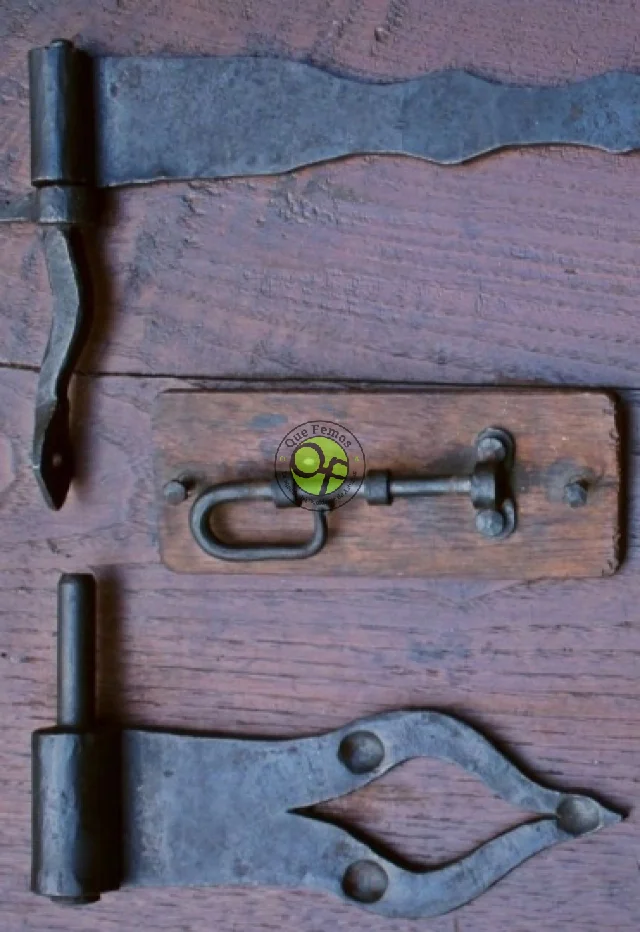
column 559, row 437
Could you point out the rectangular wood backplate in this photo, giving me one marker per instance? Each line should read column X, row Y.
column 217, row 436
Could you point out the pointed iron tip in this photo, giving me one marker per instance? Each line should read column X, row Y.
column 52, row 455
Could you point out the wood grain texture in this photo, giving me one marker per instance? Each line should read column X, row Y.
column 519, row 268
column 559, row 436
column 548, row 669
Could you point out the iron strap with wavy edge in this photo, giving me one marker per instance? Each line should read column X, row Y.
column 168, row 118
column 106, row 121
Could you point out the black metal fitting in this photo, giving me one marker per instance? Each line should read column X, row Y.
column 105, row 121
column 62, row 115
column 489, row 488
column 63, row 149
column 129, row 807
column 75, row 795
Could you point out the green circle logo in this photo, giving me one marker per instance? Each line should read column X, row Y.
column 320, row 464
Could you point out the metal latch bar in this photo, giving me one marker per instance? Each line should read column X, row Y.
column 489, row 488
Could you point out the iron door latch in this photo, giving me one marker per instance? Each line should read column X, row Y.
column 129, row 808
column 105, row 121
column 489, row 488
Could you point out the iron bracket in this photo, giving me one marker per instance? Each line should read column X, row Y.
column 489, row 488
column 129, row 807
column 106, row 121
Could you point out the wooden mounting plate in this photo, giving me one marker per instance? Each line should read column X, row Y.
column 216, row 436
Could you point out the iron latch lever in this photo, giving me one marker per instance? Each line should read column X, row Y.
column 489, row 488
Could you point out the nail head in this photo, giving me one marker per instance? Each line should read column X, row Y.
column 365, row 881
column 361, row 752
column 578, row 815
column 576, row 493
column 175, row 492
column 490, row 523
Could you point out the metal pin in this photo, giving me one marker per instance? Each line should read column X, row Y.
column 175, row 491
column 76, row 651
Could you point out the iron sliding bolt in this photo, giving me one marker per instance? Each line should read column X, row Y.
column 489, row 489
column 121, row 808
column 105, row 121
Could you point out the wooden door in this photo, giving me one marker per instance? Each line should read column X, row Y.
column 519, row 268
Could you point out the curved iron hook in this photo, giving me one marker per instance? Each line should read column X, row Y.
column 229, row 492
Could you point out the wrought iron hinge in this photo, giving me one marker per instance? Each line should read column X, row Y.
column 102, row 122
column 127, row 808
column 489, row 488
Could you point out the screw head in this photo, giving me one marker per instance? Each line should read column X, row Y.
column 576, row 493
column 365, row 881
column 175, row 492
column 490, row 523
column 361, row 751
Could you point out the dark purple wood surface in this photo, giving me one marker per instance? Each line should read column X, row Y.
column 522, row 267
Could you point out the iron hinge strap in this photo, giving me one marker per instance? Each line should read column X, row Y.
column 104, row 121
column 126, row 808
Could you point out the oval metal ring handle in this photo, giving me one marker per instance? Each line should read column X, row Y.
column 229, row 492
